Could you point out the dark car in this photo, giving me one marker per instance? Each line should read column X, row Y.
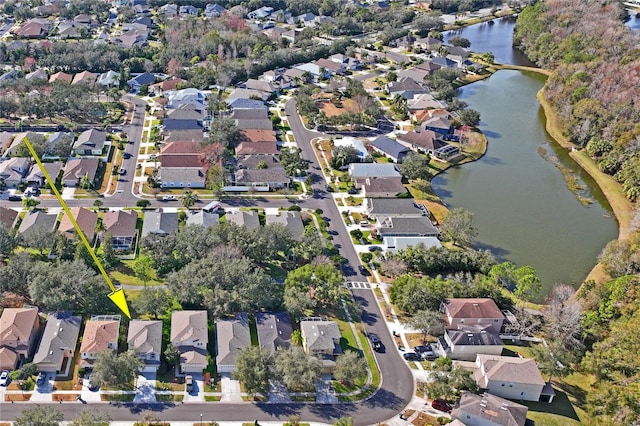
column 422, row 348
column 375, row 342
column 364, row 271
column 352, row 191
column 14, row 198
column 374, row 248
column 412, row 356
column 441, row 405
column 126, row 155
column 41, row 378
column 329, row 188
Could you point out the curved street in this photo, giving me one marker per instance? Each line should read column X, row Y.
column 397, row 387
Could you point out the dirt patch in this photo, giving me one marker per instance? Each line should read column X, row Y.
column 18, row 397
column 65, row 396
column 424, row 419
column 331, row 110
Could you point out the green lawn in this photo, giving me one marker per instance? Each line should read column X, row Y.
column 123, row 273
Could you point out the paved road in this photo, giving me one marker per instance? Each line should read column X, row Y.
column 124, row 189
column 397, row 381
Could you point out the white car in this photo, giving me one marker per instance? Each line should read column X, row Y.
column 169, row 198
column 4, row 378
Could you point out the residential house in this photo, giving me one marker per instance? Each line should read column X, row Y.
column 390, row 207
column 488, row 410
column 232, row 336
column 129, row 40
column 189, row 333
column 389, row 148
column 186, row 160
column 35, row 221
column 359, row 171
column 256, row 161
column 84, row 77
column 189, row 96
column 170, row 85
column 53, row 140
column 394, row 244
column 269, row 179
column 100, row 334
column 472, row 311
column 182, row 177
column 424, row 101
column 290, row 220
column 121, row 225
column 316, row 71
column 509, row 377
column 18, row 331
column 349, row 62
column 61, row 76
column 274, row 331
column 248, row 219
column 406, row 227
column 427, row 141
column 363, row 154
column 245, row 103
column 16, row 140
column 108, row 79
column 79, row 169
column 466, row 342
column 443, row 62
column 184, row 136
column 262, row 86
column 33, row 28
column 170, row 10
column 381, row 187
column 428, row 43
column 39, row 74
column 429, row 67
column 213, row 10
column 140, row 80
column 8, row 217
column 261, row 13
column 240, row 93
column 58, row 343
column 159, row 223
column 336, row 68
column 396, row 57
column 145, row 339
column 90, row 142
column 439, row 125
column 13, row 171
column 204, row 219
column 415, row 74
column 293, row 35
column 255, row 141
column 260, row 113
column 321, row 338
column 86, row 220
column 405, row 87
column 188, row 10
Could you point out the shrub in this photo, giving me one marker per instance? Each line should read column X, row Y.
column 366, row 257
column 295, row 208
column 143, row 203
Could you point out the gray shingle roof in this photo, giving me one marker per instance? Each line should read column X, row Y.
column 291, row 220
column 274, row 330
column 243, row 218
column 360, row 170
column 189, row 326
column 390, row 147
column 145, row 337
column 320, row 335
column 203, row 219
column 159, row 222
column 60, row 333
column 474, row 336
column 232, row 335
column 37, row 220
column 490, row 408
column 390, row 207
column 407, row 227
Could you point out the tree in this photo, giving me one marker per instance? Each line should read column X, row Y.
column 92, row 418
column 344, row 421
column 108, row 257
column 291, row 160
column 470, row 117
column 356, row 234
column 7, row 241
column 253, row 369
column 322, row 283
column 297, row 370
column 143, row 203
column 39, row 416
column 296, row 337
column 460, row 42
column 447, row 382
column 428, row 322
column 143, row 268
column 350, row 368
column 116, row 370
column 172, row 354
column 30, row 203
column 343, row 156
column 154, row 301
column 188, row 199
column 224, row 131
column 458, row 227
column 393, row 267
column 415, row 166
column 98, row 204
column 29, row 369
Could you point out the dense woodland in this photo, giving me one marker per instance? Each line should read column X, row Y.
column 595, row 61
column 596, row 73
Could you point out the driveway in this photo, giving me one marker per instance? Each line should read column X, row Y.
column 68, row 193
column 197, row 395
column 44, row 392
column 325, row 393
column 145, row 388
column 278, row 392
column 230, row 389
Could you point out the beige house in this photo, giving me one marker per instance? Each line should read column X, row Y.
column 510, row 377
column 18, row 331
column 320, row 336
column 100, row 334
column 86, row 220
column 145, row 339
column 477, row 311
column 232, row 336
column 58, row 343
column 189, row 334
column 488, row 410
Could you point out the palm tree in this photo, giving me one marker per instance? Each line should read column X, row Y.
column 188, row 199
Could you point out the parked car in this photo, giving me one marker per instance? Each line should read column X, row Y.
column 411, row 356
column 14, row 198
column 126, row 155
column 188, row 384
column 422, row 348
column 328, row 188
column 364, row 223
column 123, row 171
column 376, row 342
column 441, row 405
column 429, row 356
column 41, row 378
column 169, row 198
column 93, row 384
column 4, row 378
column 374, row 248
column 352, row 191
column 364, row 271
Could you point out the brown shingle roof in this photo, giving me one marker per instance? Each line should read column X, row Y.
column 180, row 160
column 98, row 334
column 16, row 324
column 86, row 220
column 61, row 76
column 426, row 139
column 120, row 223
column 473, row 308
column 180, row 148
column 8, row 217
